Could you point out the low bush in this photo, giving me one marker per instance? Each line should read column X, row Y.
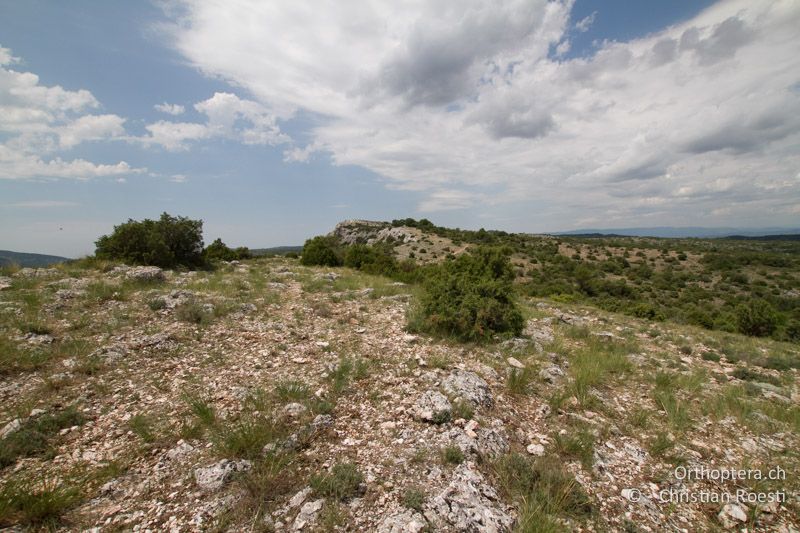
column 757, row 318
column 470, row 297
column 322, row 251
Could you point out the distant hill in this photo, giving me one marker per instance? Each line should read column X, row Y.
column 276, row 250
column 8, row 257
column 678, row 232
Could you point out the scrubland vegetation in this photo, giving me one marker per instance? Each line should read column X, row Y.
column 563, row 376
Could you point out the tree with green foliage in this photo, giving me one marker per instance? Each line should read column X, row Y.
column 167, row 242
column 220, row 251
column 321, row 250
column 757, row 318
column 470, row 297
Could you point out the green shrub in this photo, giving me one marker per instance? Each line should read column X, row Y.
column 470, row 297
column 322, row 251
column 219, row 251
column 757, row 318
column 413, row 498
column 167, row 242
column 452, row 455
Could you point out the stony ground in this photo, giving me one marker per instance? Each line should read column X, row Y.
column 269, row 396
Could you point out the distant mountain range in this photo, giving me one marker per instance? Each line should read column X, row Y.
column 685, row 232
column 8, row 257
column 276, row 250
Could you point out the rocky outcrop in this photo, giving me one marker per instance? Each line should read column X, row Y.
column 468, row 504
column 468, row 386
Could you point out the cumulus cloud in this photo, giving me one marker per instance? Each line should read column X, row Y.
column 456, row 96
column 227, row 117
column 170, row 109
column 39, row 120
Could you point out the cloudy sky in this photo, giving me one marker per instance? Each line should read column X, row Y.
column 272, row 121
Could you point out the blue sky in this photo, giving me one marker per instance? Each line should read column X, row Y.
column 281, row 120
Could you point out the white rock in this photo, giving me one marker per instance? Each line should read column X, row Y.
column 308, row 514
column 732, row 515
column 10, row 428
column 432, row 406
column 513, row 361
column 215, row 476
column 535, row 449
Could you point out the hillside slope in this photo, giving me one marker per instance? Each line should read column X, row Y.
column 271, row 396
column 8, row 258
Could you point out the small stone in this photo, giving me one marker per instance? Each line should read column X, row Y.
column 732, row 515
column 513, row 361
column 294, row 409
column 535, row 449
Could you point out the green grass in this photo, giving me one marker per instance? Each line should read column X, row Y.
column 143, row 426
column 576, row 443
column 193, row 312
column 543, row 491
column 595, row 365
column 15, row 359
column 292, row 391
column 36, row 434
column 201, row 408
column 341, row 483
column 518, row 382
column 245, row 438
column 462, row 409
column 39, row 504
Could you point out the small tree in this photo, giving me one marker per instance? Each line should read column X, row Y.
column 757, row 318
column 166, row 242
column 321, row 250
column 219, row 251
column 470, row 297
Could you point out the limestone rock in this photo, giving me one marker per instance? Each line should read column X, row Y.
column 145, row 273
column 468, row 504
column 215, row 476
column 469, row 386
column 308, row 514
column 732, row 515
column 406, row 521
column 432, row 406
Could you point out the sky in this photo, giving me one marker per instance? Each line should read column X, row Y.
column 272, row 121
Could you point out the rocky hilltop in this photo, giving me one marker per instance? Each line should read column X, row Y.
column 269, row 396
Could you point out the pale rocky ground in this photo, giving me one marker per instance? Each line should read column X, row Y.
column 278, row 323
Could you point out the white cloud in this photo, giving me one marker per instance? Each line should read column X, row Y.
column 178, row 178
column 170, row 109
column 455, row 97
column 14, row 165
column 585, row 23
column 38, row 121
column 227, row 117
